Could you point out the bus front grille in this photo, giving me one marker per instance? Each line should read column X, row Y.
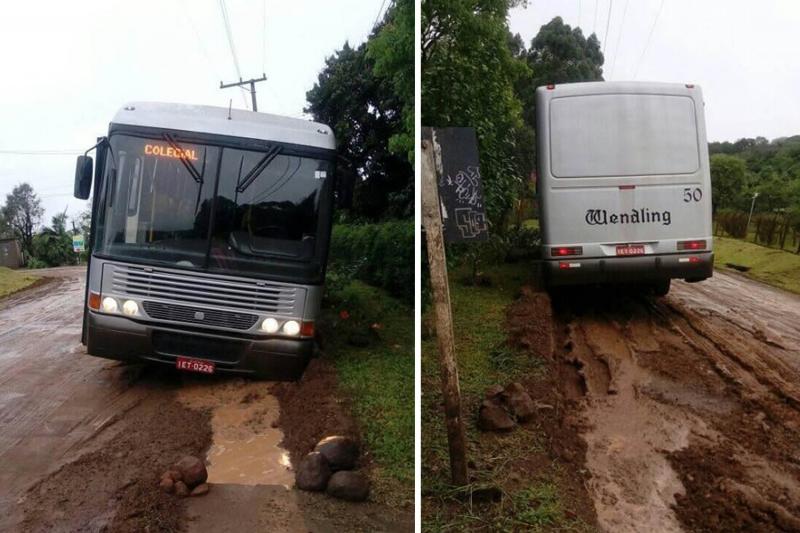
column 207, row 290
column 195, row 315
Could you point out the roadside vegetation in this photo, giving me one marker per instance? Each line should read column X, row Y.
column 505, row 493
column 778, row 268
column 12, row 281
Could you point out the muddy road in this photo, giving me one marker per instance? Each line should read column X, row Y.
column 689, row 405
column 83, row 441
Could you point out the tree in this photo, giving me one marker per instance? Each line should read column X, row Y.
column 728, row 180
column 23, row 212
column 468, row 79
column 365, row 113
column 558, row 54
column 392, row 50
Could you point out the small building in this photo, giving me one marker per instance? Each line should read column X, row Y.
column 10, row 253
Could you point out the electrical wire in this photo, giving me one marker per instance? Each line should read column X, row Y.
column 203, row 48
column 263, row 35
column 619, row 39
column 227, row 23
column 647, row 44
column 594, row 26
column 608, row 24
column 378, row 17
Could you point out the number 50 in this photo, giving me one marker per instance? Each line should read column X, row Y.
column 692, row 195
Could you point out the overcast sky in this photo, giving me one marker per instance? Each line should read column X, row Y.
column 744, row 54
column 68, row 66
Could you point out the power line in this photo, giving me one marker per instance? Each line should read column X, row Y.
column 378, row 16
column 608, row 23
column 227, row 23
column 647, row 44
column 619, row 39
column 594, row 26
column 203, row 48
column 263, row 35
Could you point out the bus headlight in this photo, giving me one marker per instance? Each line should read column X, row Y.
column 130, row 308
column 270, row 325
column 109, row 305
column 291, row 327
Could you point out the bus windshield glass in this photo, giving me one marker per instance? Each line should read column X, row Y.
column 209, row 207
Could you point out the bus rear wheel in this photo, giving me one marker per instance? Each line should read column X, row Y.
column 661, row 288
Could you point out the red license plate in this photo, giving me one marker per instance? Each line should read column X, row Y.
column 631, row 249
column 194, row 365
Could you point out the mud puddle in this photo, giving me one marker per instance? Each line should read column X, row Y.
column 245, row 444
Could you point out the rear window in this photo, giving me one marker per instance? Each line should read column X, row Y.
column 622, row 135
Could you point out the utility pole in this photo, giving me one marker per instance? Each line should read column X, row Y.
column 752, row 205
column 252, row 83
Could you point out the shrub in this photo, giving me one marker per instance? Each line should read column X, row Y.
column 734, row 223
column 379, row 254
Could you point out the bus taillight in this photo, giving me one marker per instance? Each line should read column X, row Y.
column 564, row 251
column 692, row 245
column 307, row 329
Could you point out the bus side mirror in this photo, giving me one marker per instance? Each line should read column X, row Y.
column 83, row 177
column 345, row 183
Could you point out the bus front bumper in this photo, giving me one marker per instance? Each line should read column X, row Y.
column 120, row 338
column 638, row 269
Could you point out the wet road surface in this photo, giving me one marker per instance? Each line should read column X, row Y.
column 691, row 404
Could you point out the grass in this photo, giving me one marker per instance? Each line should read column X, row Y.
column 12, row 281
column 772, row 266
column 531, row 502
column 379, row 378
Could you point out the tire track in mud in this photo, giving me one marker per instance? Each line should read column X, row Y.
column 691, row 415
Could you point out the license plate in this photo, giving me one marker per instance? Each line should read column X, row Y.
column 631, row 249
column 194, row 365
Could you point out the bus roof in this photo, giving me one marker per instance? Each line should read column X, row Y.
column 214, row 120
column 619, row 87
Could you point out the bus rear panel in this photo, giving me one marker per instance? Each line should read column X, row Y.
column 623, row 183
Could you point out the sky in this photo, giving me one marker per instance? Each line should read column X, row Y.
column 744, row 54
column 67, row 70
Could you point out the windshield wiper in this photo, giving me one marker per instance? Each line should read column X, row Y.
column 186, row 163
column 256, row 170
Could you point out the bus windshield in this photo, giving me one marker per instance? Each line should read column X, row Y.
column 209, row 207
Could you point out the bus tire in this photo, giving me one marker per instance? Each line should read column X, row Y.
column 661, row 288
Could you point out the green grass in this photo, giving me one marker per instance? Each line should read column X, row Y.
column 772, row 266
column 531, row 223
column 12, row 281
column 379, row 378
column 530, row 502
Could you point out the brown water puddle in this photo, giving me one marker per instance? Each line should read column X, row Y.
column 245, row 447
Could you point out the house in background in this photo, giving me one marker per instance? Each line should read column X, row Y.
column 10, row 253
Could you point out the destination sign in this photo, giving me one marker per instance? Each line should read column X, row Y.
column 169, row 151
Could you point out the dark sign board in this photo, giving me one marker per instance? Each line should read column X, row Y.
column 460, row 186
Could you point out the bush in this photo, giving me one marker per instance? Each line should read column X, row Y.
column 379, row 254
column 734, row 223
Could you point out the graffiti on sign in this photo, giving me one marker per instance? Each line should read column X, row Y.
column 460, row 186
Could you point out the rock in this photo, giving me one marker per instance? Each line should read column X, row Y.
column 192, row 471
column 200, row 490
column 181, row 489
column 341, row 452
column 173, row 474
column 492, row 417
column 493, row 391
column 167, row 485
column 519, row 402
column 313, row 472
column 349, row 485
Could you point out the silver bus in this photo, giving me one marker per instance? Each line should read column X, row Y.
column 623, row 183
column 209, row 238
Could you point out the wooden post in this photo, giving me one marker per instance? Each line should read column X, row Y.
column 432, row 220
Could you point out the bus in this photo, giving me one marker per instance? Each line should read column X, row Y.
column 209, row 238
column 623, row 184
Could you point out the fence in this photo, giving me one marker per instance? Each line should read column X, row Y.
column 777, row 230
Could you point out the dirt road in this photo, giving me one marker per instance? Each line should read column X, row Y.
column 83, row 440
column 689, row 405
